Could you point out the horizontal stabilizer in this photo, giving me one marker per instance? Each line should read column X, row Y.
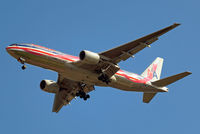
column 166, row 81
column 147, row 97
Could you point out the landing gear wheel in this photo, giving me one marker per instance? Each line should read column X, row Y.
column 104, row 78
column 84, row 98
column 22, row 61
column 23, row 67
column 87, row 96
column 83, row 95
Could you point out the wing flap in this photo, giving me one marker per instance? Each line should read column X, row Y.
column 130, row 53
column 58, row 103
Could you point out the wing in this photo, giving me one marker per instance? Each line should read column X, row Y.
column 125, row 51
column 67, row 92
column 58, row 102
column 110, row 58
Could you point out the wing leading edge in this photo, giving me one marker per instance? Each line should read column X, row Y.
column 127, row 50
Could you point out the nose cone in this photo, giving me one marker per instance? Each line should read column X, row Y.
column 10, row 49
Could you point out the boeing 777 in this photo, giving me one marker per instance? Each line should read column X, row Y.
column 77, row 76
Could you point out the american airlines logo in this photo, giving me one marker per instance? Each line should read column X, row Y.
column 155, row 75
column 152, row 72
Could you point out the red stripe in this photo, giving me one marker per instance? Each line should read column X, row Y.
column 68, row 58
column 133, row 79
column 37, row 52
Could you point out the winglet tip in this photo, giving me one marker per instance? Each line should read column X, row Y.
column 189, row 72
column 176, row 24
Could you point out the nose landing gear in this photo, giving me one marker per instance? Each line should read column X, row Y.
column 23, row 67
column 22, row 61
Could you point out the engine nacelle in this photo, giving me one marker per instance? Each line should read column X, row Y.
column 49, row 86
column 89, row 57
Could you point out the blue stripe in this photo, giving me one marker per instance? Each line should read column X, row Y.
column 47, row 50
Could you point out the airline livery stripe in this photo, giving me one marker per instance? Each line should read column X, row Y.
column 40, row 52
column 132, row 79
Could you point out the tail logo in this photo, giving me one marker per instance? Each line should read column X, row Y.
column 152, row 72
column 155, row 74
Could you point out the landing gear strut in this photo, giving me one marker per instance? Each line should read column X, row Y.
column 104, row 77
column 22, row 61
column 82, row 94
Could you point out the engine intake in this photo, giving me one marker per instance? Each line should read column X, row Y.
column 49, row 86
column 89, row 57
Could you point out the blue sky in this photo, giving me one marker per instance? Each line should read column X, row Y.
column 71, row 26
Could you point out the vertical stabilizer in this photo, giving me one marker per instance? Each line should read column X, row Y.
column 153, row 72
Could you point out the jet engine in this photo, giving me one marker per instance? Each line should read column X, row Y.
column 49, row 86
column 89, row 57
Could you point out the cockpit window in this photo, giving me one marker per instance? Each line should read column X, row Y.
column 13, row 45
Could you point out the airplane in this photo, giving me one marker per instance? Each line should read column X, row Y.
column 77, row 76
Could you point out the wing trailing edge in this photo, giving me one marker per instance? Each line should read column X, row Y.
column 127, row 50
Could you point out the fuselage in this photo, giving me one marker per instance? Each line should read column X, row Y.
column 63, row 64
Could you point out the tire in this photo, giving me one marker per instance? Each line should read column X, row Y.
column 88, row 96
column 23, row 67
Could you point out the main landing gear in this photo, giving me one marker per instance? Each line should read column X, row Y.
column 22, row 61
column 104, row 77
column 81, row 93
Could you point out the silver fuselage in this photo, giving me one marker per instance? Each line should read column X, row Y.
column 75, row 73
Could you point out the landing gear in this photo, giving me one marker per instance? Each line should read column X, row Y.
column 81, row 92
column 83, row 95
column 86, row 97
column 23, row 67
column 104, row 77
column 22, row 61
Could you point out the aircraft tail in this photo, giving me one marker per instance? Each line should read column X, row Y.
column 147, row 97
column 153, row 72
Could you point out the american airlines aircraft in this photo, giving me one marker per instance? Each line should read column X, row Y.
column 77, row 76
